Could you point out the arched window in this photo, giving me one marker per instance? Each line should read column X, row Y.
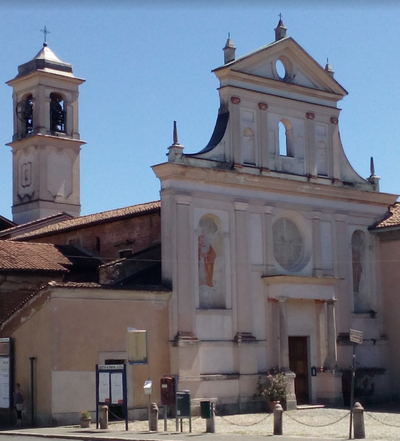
column 57, row 113
column 248, row 149
column 288, row 244
column 286, row 147
column 25, row 114
column 358, row 249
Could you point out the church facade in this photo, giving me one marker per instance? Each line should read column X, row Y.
column 260, row 249
column 265, row 237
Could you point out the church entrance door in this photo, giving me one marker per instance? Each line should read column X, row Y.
column 298, row 363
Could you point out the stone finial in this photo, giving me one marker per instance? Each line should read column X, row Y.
column 229, row 50
column 175, row 150
column 373, row 179
column 329, row 69
column 280, row 30
column 175, row 135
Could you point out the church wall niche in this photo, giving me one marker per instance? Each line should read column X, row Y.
column 360, row 273
column 248, row 132
column 211, row 263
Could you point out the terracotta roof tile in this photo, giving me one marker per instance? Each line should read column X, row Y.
column 21, row 256
column 391, row 219
column 83, row 221
column 32, row 224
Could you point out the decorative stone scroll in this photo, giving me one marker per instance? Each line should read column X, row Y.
column 235, row 100
column 263, row 106
column 334, row 120
column 310, row 115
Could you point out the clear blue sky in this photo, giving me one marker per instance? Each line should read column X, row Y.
column 149, row 63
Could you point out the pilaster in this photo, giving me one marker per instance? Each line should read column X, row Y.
column 184, row 286
column 317, row 255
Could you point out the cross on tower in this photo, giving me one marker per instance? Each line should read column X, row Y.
column 45, row 32
column 280, row 16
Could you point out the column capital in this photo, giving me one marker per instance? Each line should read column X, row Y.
column 268, row 209
column 240, row 206
column 183, row 199
column 341, row 217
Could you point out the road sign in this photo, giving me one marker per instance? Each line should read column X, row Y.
column 356, row 336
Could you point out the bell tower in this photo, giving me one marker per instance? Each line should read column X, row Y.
column 46, row 141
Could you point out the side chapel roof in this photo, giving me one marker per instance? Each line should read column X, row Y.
column 92, row 219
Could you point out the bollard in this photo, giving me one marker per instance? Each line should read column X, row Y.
column 358, row 421
column 104, row 417
column 210, row 422
column 278, row 413
column 153, row 417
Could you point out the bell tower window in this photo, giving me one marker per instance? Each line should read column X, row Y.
column 57, row 113
column 24, row 112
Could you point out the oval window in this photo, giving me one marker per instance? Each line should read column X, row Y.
column 280, row 69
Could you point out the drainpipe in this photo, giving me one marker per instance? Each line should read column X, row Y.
column 32, row 359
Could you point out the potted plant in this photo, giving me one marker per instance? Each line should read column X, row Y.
column 85, row 419
column 272, row 388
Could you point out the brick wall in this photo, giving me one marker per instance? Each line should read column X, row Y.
column 107, row 239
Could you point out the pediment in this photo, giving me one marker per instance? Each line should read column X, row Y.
column 287, row 62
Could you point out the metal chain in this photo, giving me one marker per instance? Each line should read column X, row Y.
column 379, row 421
column 317, row 425
column 244, row 425
column 117, row 417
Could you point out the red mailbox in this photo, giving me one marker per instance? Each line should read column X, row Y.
column 167, row 385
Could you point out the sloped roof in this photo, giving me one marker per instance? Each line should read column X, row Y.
column 391, row 219
column 45, row 59
column 5, row 223
column 21, row 256
column 35, row 224
column 92, row 219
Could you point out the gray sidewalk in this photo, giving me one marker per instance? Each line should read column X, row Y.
column 120, row 435
column 322, row 424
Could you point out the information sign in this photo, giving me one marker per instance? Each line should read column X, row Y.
column 104, row 387
column 111, row 388
column 117, row 395
column 356, row 336
column 136, row 346
column 4, row 382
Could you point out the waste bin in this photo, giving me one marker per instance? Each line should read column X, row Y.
column 183, row 403
column 205, row 409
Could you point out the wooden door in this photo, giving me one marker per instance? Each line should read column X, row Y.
column 298, row 363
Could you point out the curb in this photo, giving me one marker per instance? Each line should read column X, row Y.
column 83, row 435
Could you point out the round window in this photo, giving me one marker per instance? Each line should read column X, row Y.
column 280, row 69
column 288, row 244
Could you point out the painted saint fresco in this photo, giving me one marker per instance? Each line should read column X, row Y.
column 210, row 263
